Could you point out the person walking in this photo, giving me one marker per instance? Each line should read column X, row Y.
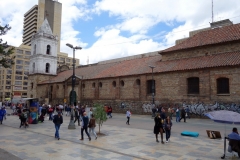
column 110, row 112
column 177, row 115
column 84, row 126
column 183, row 115
column 2, row 112
column 187, row 113
column 158, row 127
column 128, row 115
column 76, row 116
column 92, row 125
column 24, row 116
column 50, row 111
column 57, row 120
column 168, row 126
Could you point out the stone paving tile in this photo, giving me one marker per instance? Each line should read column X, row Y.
column 38, row 142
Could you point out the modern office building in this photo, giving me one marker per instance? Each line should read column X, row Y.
column 33, row 19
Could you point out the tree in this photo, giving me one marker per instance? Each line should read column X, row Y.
column 99, row 114
column 6, row 60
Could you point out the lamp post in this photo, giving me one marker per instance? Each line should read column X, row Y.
column 73, row 93
column 153, row 87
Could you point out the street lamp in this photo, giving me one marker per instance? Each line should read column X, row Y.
column 73, row 94
column 153, row 87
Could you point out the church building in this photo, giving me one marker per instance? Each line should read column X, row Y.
column 202, row 68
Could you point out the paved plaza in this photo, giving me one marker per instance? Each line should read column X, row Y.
column 122, row 142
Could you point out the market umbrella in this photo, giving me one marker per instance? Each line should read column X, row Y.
column 224, row 116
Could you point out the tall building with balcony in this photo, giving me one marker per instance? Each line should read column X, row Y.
column 33, row 19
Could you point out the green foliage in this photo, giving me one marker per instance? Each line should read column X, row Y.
column 6, row 60
column 99, row 114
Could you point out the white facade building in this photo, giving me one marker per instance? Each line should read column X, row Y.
column 43, row 58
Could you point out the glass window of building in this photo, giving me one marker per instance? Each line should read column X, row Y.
column 19, row 67
column 8, row 87
column 26, row 73
column 19, row 62
column 8, row 77
column 24, row 88
column 25, row 83
column 27, row 62
column 19, row 51
column 25, row 78
column 8, row 82
column 27, row 57
column 18, row 77
column 62, row 59
column 19, row 72
column 17, row 87
column 68, row 60
column 28, row 52
column 26, row 68
column 9, row 71
column 18, row 82
column 19, row 56
column 24, row 94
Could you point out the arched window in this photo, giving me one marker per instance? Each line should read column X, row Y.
column 48, row 49
column 114, row 84
column 33, row 67
column 193, row 85
column 122, row 83
column 35, row 48
column 47, row 67
column 222, row 86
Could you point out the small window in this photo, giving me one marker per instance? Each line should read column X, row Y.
column 24, row 88
column 35, row 48
column 100, row 84
column 27, row 62
column 19, row 62
column 47, row 67
column 28, row 52
column 150, row 86
column 114, row 84
column 19, row 51
column 193, row 85
column 48, row 49
column 93, row 85
column 19, row 72
column 57, row 86
column 222, row 86
column 18, row 77
column 33, row 67
column 25, row 83
column 25, row 78
column 83, row 85
column 122, row 83
column 8, row 82
column 138, row 82
column 32, row 85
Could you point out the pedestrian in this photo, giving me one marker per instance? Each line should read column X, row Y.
column 84, row 126
column 177, row 115
column 76, row 116
column 128, row 115
column 158, row 127
column 2, row 112
column 187, row 112
column 24, row 116
column 183, row 115
column 110, row 112
column 50, row 111
column 92, row 125
column 57, row 120
column 168, row 126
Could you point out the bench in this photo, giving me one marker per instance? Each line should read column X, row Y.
column 214, row 134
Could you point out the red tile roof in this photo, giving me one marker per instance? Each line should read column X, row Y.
column 208, row 37
column 140, row 66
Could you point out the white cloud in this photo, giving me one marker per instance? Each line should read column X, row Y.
column 133, row 17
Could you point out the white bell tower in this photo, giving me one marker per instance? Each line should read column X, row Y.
column 44, row 51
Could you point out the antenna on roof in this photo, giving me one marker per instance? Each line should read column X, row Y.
column 212, row 12
column 87, row 60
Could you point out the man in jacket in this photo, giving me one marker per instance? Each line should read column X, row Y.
column 183, row 115
column 84, row 126
column 76, row 116
column 57, row 120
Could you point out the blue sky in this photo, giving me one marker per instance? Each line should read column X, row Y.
column 108, row 29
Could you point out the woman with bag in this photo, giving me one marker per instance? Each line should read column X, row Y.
column 158, row 127
column 168, row 126
column 92, row 125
